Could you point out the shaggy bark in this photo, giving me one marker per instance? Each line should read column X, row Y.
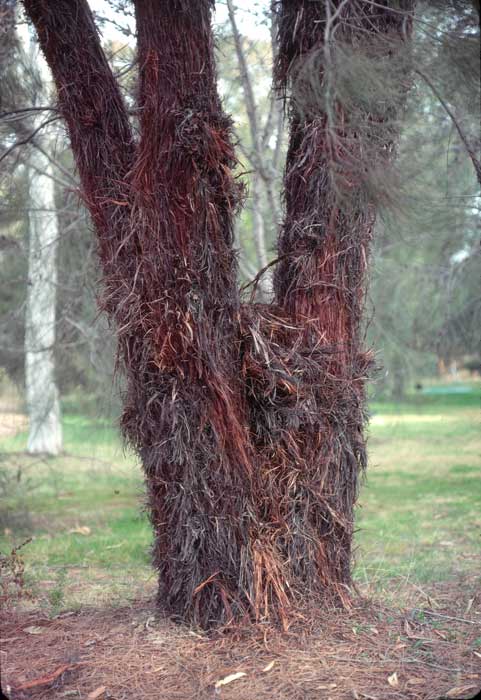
column 163, row 214
column 248, row 418
column 184, row 408
column 324, row 247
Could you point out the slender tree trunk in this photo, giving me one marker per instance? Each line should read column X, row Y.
column 264, row 172
column 45, row 429
column 398, row 382
column 258, row 230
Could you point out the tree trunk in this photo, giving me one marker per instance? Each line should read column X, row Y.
column 320, row 281
column 45, row 428
column 398, row 381
column 263, row 171
column 258, row 232
column 184, row 410
column 248, row 418
column 163, row 212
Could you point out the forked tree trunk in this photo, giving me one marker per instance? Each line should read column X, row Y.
column 163, row 212
column 184, row 409
column 248, row 418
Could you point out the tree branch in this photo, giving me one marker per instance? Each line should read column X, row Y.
column 246, row 86
column 70, row 178
column 91, row 103
column 470, row 150
column 16, row 114
column 256, row 156
column 27, row 139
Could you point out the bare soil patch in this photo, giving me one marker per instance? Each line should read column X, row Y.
column 429, row 651
column 12, row 423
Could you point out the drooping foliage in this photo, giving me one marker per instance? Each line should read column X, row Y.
column 426, row 248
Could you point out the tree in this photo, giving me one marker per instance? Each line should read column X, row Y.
column 248, row 419
column 340, row 140
column 82, row 352
column 263, row 161
column 427, row 246
column 45, row 429
column 23, row 67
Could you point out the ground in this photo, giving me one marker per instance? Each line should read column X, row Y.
column 370, row 652
column 83, row 621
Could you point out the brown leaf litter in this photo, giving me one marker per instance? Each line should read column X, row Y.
column 368, row 653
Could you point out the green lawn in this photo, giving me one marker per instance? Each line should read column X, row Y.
column 419, row 515
column 420, row 509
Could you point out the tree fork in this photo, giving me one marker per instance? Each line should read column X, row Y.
column 247, row 418
column 97, row 122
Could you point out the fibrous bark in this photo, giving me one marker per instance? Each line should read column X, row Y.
column 184, row 410
column 248, row 418
column 163, row 213
column 320, row 281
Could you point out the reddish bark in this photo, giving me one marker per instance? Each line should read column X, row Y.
column 163, row 213
column 184, row 411
column 324, row 243
column 248, row 419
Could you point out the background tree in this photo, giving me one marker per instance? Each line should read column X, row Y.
column 426, row 247
column 83, row 349
column 45, row 430
column 261, row 145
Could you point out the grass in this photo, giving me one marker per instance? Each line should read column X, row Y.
column 420, row 509
column 84, row 510
column 418, row 517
